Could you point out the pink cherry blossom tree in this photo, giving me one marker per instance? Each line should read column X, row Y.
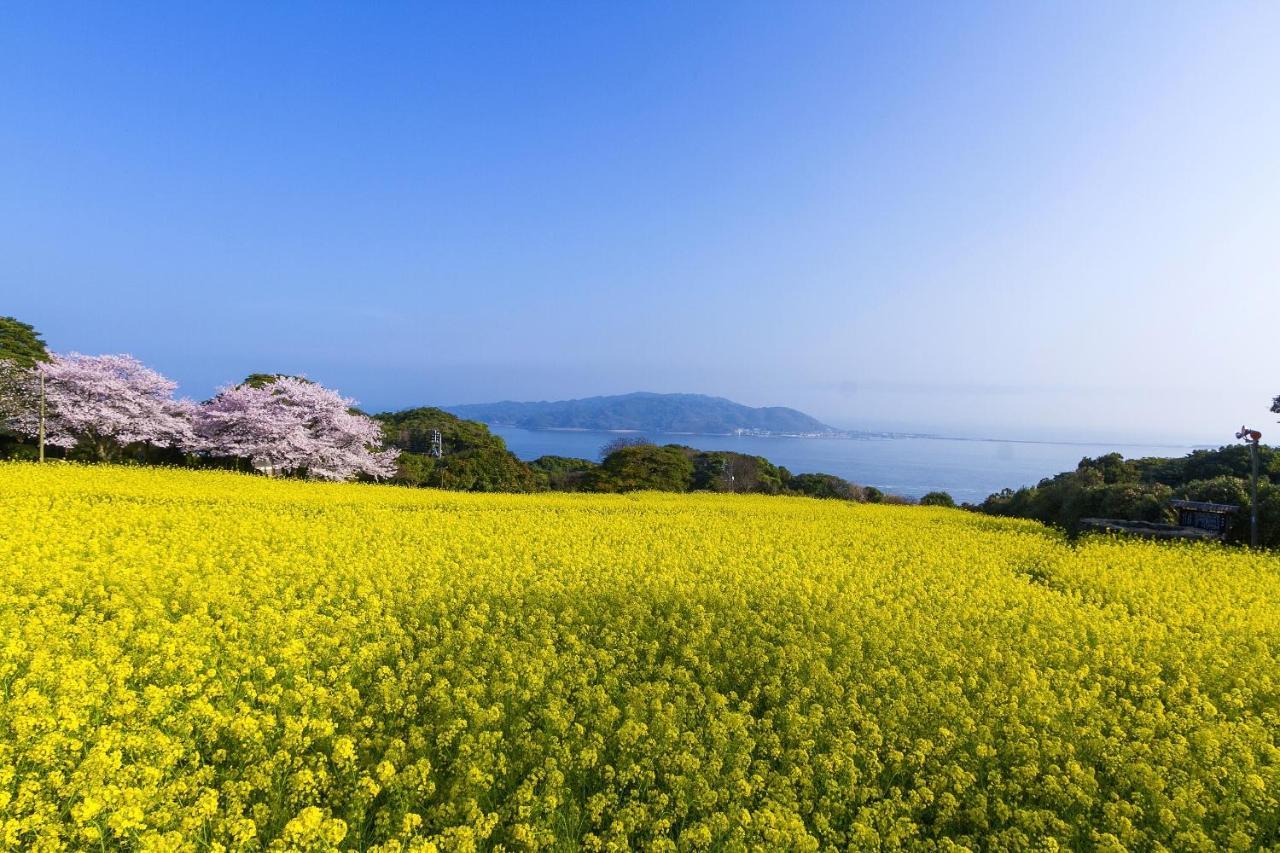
column 19, row 393
column 106, row 402
column 291, row 425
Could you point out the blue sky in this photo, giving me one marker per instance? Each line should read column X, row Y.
column 1055, row 220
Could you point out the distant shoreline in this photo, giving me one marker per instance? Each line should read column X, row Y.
column 744, row 433
column 856, row 435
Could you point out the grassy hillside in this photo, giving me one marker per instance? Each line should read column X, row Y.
column 191, row 659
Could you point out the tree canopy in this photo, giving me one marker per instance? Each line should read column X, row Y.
column 644, row 466
column 473, row 458
column 291, row 425
column 565, row 473
column 262, row 380
column 1111, row 486
column 21, row 344
column 105, row 403
column 826, row 486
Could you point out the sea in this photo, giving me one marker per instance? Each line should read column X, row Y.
column 911, row 466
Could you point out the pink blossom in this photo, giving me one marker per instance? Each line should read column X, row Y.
column 106, row 399
column 292, row 425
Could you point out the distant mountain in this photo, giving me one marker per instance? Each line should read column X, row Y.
column 646, row 412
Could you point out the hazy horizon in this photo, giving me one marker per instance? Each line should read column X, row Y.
column 1001, row 220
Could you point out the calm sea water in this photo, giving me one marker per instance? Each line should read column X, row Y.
column 968, row 469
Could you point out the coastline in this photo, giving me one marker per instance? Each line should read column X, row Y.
column 856, row 435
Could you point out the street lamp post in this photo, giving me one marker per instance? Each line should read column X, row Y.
column 1251, row 437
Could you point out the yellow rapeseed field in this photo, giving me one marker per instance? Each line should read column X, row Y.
column 195, row 660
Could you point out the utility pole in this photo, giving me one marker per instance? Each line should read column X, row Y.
column 1251, row 437
column 437, row 452
column 41, row 417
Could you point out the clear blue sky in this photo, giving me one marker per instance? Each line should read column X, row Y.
column 1020, row 219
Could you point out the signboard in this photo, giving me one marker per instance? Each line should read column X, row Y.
column 1202, row 515
column 1213, row 521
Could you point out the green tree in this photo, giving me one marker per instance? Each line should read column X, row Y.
column 726, row 471
column 473, row 460
column 1268, row 517
column 1108, row 469
column 644, row 467
column 21, row 349
column 1219, row 490
column 1235, row 490
column 830, row 486
column 622, row 441
column 938, row 499
column 20, row 344
column 262, row 380
column 1229, row 461
column 564, row 473
column 1141, row 489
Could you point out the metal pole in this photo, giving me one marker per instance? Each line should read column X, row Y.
column 1252, row 437
column 42, row 417
column 1253, row 495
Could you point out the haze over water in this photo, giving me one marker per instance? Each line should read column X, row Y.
column 969, row 469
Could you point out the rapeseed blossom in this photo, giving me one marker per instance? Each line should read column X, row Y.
column 196, row 660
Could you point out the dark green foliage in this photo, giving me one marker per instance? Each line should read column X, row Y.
column 828, row 486
column 1066, row 499
column 621, row 442
column 262, row 380
column 21, row 344
column 633, row 465
column 1140, row 490
column 1219, row 490
column 1268, row 517
column 711, row 472
column 1109, row 469
column 678, row 468
column 14, row 446
column 564, row 473
column 1235, row 490
column 561, row 464
column 474, row 459
column 937, row 499
column 1125, row 500
column 21, row 348
column 644, row 466
column 872, row 495
column 1229, row 461
column 726, row 471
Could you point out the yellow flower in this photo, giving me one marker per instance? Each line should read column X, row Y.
column 194, row 657
column 86, row 810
